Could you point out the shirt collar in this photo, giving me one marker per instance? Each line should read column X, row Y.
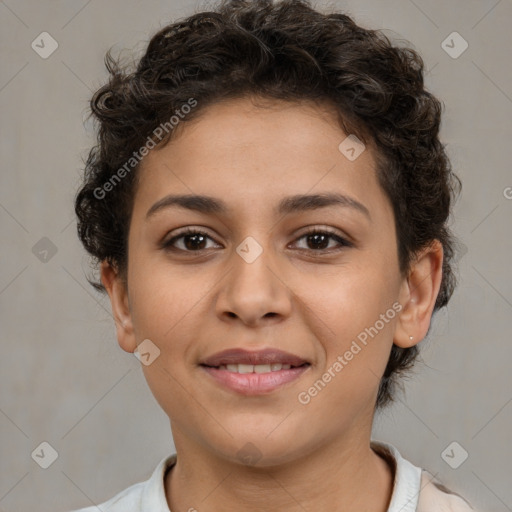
column 153, row 496
column 406, row 486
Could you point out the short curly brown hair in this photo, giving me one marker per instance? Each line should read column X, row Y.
column 287, row 51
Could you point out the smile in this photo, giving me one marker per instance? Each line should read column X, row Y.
column 254, row 368
column 248, row 379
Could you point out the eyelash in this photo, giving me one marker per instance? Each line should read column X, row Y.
column 168, row 245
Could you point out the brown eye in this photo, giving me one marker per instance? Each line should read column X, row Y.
column 317, row 241
column 193, row 242
column 189, row 241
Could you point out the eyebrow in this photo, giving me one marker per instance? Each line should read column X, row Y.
column 297, row 203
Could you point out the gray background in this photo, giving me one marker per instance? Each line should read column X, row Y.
column 63, row 378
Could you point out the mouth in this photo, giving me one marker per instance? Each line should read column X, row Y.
column 255, row 368
column 254, row 382
column 254, row 373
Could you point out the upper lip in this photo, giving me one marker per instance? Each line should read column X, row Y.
column 242, row 356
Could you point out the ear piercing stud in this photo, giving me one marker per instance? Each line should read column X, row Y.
column 411, row 337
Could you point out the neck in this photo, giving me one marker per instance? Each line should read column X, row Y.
column 343, row 476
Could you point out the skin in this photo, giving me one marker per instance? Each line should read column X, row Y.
column 311, row 300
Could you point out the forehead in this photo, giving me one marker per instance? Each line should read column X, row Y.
column 256, row 154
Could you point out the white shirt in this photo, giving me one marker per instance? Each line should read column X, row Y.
column 414, row 490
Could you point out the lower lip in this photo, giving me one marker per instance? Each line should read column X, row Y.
column 255, row 383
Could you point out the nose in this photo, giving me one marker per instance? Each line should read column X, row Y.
column 254, row 291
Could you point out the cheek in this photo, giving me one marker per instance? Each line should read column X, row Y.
column 352, row 315
column 354, row 326
column 166, row 311
column 160, row 298
column 168, row 307
column 351, row 298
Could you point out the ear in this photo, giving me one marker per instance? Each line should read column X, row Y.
column 118, row 293
column 418, row 295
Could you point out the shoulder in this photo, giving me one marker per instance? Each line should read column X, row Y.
column 415, row 489
column 128, row 500
column 435, row 497
column 147, row 495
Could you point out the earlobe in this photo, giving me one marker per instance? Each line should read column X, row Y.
column 116, row 289
column 418, row 296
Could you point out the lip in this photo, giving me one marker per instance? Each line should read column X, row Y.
column 242, row 356
column 254, row 383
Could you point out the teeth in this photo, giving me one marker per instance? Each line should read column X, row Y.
column 262, row 368
column 254, row 368
column 245, row 368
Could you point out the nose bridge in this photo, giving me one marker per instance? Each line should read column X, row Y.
column 252, row 290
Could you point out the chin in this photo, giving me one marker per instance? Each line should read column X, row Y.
column 259, row 449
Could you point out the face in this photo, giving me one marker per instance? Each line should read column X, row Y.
column 263, row 268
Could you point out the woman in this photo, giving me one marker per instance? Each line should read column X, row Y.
column 268, row 206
